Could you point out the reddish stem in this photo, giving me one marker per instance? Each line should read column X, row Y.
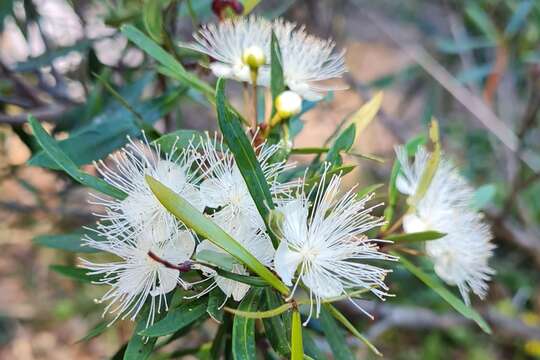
column 183, row 267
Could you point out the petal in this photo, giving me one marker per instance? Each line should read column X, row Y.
column 168, row 279
column 180, row 248
column 233, row 288
column 304, row 90
column 322, row 284
column 286, row 262
column 221, row 70
column 212, row 190
column 193, row 196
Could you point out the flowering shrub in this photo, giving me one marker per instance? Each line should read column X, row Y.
column 224, row 226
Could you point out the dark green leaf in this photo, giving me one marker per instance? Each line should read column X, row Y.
column 177, row 318
column 444, row 293
column 153, row 20
column 50, row 146
column 481, row 19
column 245, row 157
column 343, row 143
column 139, row 347
column 277, row 82
column 74, row 273
column 97, row 330
column 216, row 300
column 274, row 326
column 310, row 347
column 243, row 335
column 68, row 242
column 179, row 139
column 335, row 336
column 413, row 237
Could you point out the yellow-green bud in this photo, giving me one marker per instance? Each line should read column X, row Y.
column 288, row 104
column 253, row 57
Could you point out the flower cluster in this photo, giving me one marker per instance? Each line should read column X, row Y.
column 461, row 256
column 322, row 241
column 236, row 46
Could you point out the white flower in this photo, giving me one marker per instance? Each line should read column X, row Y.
column 224, row 187
column 307, row 60
column 231, row 42
column 141, row 209
column 256, row 242
column 136, row 276
column 461, row 257
column 327, row 248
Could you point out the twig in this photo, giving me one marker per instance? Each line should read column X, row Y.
column 183, row 267
column 49, row 113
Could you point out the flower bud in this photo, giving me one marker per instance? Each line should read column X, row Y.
column 254, row 57
column 288, row 104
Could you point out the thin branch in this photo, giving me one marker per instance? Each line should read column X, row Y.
column 49, row 113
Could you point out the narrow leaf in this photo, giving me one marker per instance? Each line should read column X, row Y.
column 67, row 242
column 216, row 300
column 335, row 336
column 345, row 322
column 363, row 116
column 368, row 190
column 97, row 330
column 243, row 335
column 65, row 163
column 413, row 237
column 297, row 348
column 274, row 327
column 177, row 319
column 260, row 314
column 444, row 293
column 203, row 226
column 153, row 20
column 179, row 139
column 277, row 81
column 74, row 273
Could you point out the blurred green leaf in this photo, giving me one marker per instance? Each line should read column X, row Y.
column 481, row 19
column 451, row 46
column 243, row 334
column 297, row 348
column 417, row 236
column 345, row 322
column 444, row 293
column 50, row 146
column 141, row 347
column 310, row 347
column 368, row 190
column 203, row 226
column 518, row 18
column 74, row 273
column 67, row 242
column 475, row 74
column 153, row 20
column 48, row 57
column 484, row 195
column 335, row 336
column 340, row 171
column 343, row 143
column 97, row 330
column 177, row 318
column 277, row 81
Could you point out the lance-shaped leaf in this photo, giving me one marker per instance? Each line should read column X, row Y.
column 413, row 237
column 140, row 347
column 335, row 336
column 206, row 228
column 363, row 116
column 274, row 327
column 67, row 242
column 243, row 335
column 153, row 20
column 50, row 146
column 74, row 273
column 297, row 348
column 277, row 81
column 177, row 318
column 444, row 293
column 245, row 157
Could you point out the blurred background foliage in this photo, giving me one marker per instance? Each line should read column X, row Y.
column 473, row 64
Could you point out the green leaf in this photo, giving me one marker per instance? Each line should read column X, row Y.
column 345, row 322
column 48, row 57
column 363, row 116
column 108, row 132
column 167, row 60
column 97, row 330
column 221, row 260
column 216, row 300
column 518, row 18
column 203, row 226
column 221, row 338
column 445, row 294
column 177, row 318
column 140, row 347
column 450, row 46
column 310, row 347
column 261, row 314
column 335, row 336
column 297, row 348
column 341, row 171
column 250, row 280
column 413, row 237
column 343, row 143
column 179, row 139
column 67, row 242
column 277, row 81
column 153, row 20
column 484, row 195
column 52, row 149
column 481, row 19
column 245, row 157
column 243, row 335
column 249, row 5
column 368, row 190
column 274, row 327
column 74, row 273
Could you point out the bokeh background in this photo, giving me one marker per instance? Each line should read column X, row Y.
column 472, row 64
